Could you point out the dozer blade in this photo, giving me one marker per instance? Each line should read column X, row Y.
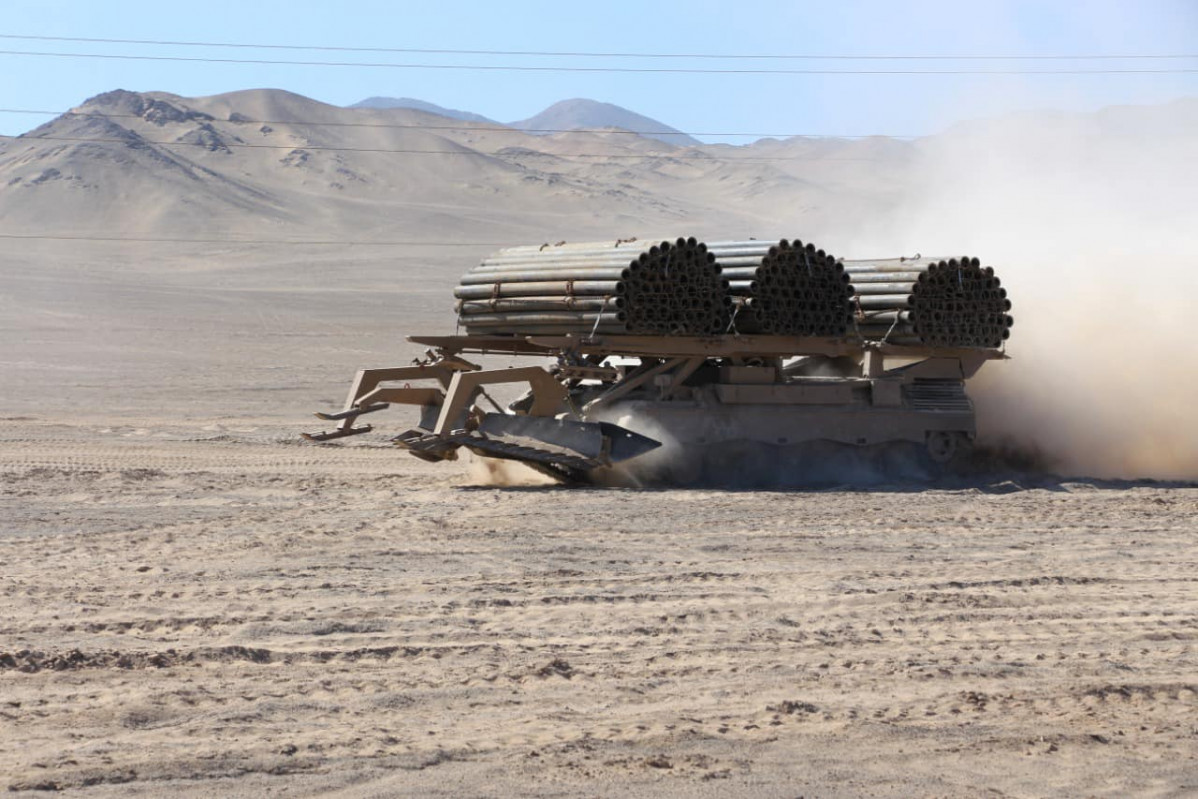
column 597, row 441
column 351, row 413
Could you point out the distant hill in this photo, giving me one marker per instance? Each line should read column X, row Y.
column 157, row 164
column 168, row 165
column 271, row 164
column 582, row 113
column 565, row 115
column 421, row 105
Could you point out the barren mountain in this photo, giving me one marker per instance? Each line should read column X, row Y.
column 421, row 105
column 271, row 162
column 156, row 164
column 582, row 113
column 574, row 114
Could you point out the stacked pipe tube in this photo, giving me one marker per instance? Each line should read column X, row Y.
column 937, row 302
column 785, row 288
column 665, row 288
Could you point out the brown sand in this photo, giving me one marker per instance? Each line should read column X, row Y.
column 196, row 604
column 223, row 613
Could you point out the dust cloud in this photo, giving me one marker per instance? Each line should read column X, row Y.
column 1090, row 222
column 504, row 474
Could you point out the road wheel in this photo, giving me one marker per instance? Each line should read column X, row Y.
column 944, row 445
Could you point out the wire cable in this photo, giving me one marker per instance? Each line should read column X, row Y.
column 321, row 242
column 587, row 54
column 692, row 156
column 640, row 70
column 478, row 127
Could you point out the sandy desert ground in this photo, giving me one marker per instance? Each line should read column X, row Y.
column 227, row 612
column 196, row 603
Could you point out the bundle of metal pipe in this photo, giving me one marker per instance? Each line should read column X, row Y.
column 953, row 302
column 676, row 289
column 668, row 288
column 785, row 288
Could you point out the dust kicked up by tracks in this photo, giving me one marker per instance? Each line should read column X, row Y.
column 240, row 614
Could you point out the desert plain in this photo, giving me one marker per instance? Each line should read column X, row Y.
column 198, row 603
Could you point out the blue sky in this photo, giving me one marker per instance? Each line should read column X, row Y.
column 771, row 104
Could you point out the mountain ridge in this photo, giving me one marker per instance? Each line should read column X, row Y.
column 591, row 114
column 155, row 163
column 574, row 114
column 241, row 163
column 383, row 103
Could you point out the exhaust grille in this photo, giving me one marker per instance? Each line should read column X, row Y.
column 938, row 395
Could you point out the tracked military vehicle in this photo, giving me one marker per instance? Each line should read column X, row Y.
column 775, row 353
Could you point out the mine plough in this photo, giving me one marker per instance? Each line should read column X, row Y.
column 581, row 413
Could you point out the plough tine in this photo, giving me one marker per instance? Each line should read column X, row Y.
column 351, row 413
column 329, row 435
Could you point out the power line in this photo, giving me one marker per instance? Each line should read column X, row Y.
column 585, row 54
column 467, row 152
column 480, row 127
column 642, row 70
column 322, row 242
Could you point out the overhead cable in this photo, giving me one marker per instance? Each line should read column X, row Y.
column 478, row 127
column 592, row 54
column 322, row 242
column 658, row 70
column 692, row 156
